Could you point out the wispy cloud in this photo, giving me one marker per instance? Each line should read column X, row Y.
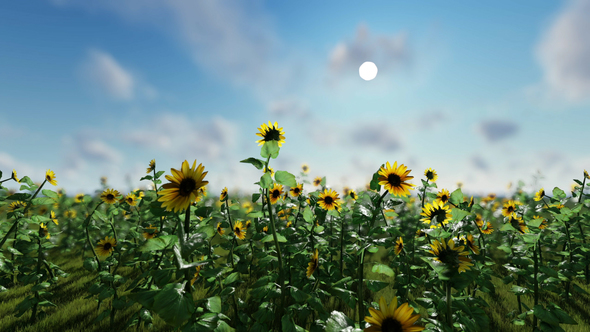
column 564, row 51
column 495, row 130
column 388, row 52
column 107, row 76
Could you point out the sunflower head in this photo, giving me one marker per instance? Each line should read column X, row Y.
column 543, row 224
column 470, row 242
column 103, row 180
column 391, row 318
column 399, row 245
column 394, row 179
column 305, row 168
column 519, row 224
column 50, row 177
column 43, row 231
column 265, row 229
column 109, row 196
column 443, row 196
column 353, row 195
column 16, row 205
column 248, row 224
column 296, row 191
column 240, row 230
column 150, row 232
column 106, row 247
column 313, row 263
column 183, row 188
column 272, row 132
column 275, row 193
column 14, row 176
column 509, row 209
column 586, row 175
column 431, row 175
column 329, row 200
column 539, row 194
column 248, row 206
column 220, row 229
column 70, row 214
column 436, row 211
column 131, row 199
column 223, row 195
column 317, row 181
column 79, row 198
column 151, row 166
column 453, row 257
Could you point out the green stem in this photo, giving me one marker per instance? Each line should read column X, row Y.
column 449, row 305
column 536, row 283
column 341, row 247
column 360, row 294
column 187, row 273
column 39, row 261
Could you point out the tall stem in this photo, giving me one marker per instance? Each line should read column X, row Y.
column 360, row 295
column 449, row 305
column 536, row 282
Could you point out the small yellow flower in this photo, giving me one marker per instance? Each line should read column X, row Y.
column 443, row 196
column 131, row 199
column 275, row 193
column 305, row 168
column 509, row 209
column 313, row 264
column 393, row 179
column 220, row 229
column 44, row 232
column 70, row 214
column 106, row 247
column 109, row 196
column 317, row 181
column 272, row 132
column 79, row 198
column 431, row 175
column 151, row 167
column 296, row 191
column 353, row 195
column 150, row 232
column 239, row 230
column 15, row 177
column 223, row 195
column 399, row 245
column 329, row 200
column 50, row 177
column 392, row 318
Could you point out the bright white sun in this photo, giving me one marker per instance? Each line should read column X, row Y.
column 368, row 71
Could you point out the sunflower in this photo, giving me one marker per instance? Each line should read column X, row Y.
column 519, row 224
column 275, row 193
column 220, row 229
column 313, row 263
column 431, row 175
column 443, row 196
column 305, row 168
column 15, row 177
column 317, row 181
column 109, row 196
column 43, row 210
column 248, row 206
column 269, row 169
column 272, row 132
column 223, row 195
column 484, row 227
column 131, row 199
column 79, row 198
column 420, row 233
column 345, row 191
column 586, row 174
column 543, row 224
column 394, row 179
column 183, row 187
column 451, row 255
column 248, row 224
column 436, row 210
column 43, row 231
column 103, row 180
column 151, row 167
column 50, row 177
column 470, row 242
column 265, row 229
column 105, row 247
column 71, row 214
column 353, row 195
column 509, row 209
column 239, row 230
column 392, row 318
column 296, row 191
column 150, row 232
column 329, row 200
column 288, row 224
column 539, row 195
column 16, row 205
column 399, row 245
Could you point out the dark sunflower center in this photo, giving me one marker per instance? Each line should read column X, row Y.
column 391, row 325
column 129, row 200
column 394, row 180
column 276, row 193
column 440, row 215
column 448, row 256
column 305, row 168
column 110, row 197
column 187, row 186
column 238, row 230
column 510, row 209
column 444, row 198
column 429, row 175
column 352, row 195
column 272, row 135
column 107, row 246
column 296, row 191
column 328, row 200
column 48, row 177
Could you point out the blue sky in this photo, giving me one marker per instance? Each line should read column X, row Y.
column 484, row 93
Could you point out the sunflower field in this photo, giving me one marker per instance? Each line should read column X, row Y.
column 398, row 255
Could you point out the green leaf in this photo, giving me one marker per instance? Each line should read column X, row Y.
column 50, row 193
column 159, row 243
column 172, row 305
column 558, row 193
column 458, row 214
column 308, row 215
column 42, row 201
column 376, row 285
column 266, row 180
column 384, row 269
column 456, row 197
column 90, row 264
column 285, row 178
column 270, row 148
column 223, row 327
column 40, row 286
column 231, row 278
column 214, row 304
column 339, row 322
column 545, row 315
column 28, row 181
column 288, row 325
column 259, row 164
column 549, row 271
column 269, row 238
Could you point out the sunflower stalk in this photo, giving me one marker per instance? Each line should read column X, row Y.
column 187, row 228
column 361, row 303
column 39, row 261
column 536, row 281
column 233, row 242
column 449, row 304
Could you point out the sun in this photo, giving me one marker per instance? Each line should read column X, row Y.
column 368, row 71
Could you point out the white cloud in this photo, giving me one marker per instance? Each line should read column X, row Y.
column 564, row 52
column 387, row 52
column 288, row 107
column 495, row 130
column 108, row 76
column 179, row 136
